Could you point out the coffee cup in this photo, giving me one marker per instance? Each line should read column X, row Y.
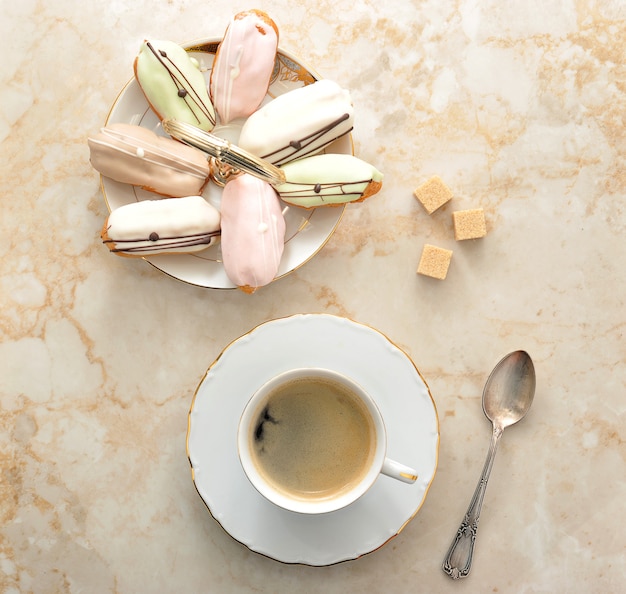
column 312, row 440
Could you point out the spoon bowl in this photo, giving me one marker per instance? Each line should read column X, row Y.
column 508, row 394
column 509, row 390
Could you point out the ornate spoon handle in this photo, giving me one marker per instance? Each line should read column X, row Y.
column 224, row 152
column 458, row 561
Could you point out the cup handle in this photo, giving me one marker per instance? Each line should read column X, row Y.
column 399, row 471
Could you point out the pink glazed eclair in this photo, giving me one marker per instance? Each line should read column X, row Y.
column 253, row 232
column 243, row 65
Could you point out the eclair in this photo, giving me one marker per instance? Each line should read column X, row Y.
column 298, row 123
column 137, row 156
column 170, row 225
column 243, row 65
column 328, row 180
column 253, row 232
column 173, row 84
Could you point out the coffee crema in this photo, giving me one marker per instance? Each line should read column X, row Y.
column 313, row 439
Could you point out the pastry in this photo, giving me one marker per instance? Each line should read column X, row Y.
column 168, row 225
column 253, row 232
column 328, row 180
column 243, row 65
column 298, row 123
column 173, row 84
column 137, row 156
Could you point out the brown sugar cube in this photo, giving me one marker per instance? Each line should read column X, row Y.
column 433, row 194
column 469, row 224
column 434, row 262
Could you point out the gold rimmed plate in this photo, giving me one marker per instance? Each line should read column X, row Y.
column 318, row 340
column 307, row 230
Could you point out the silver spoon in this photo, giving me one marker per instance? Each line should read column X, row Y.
column 507, row 396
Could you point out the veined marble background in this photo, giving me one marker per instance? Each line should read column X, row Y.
column 518, row 106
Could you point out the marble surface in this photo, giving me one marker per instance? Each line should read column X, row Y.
column 518, row 106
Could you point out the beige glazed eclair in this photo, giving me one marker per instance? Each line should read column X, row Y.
column 137, row 156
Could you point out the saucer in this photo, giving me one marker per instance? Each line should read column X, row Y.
column 307, row 231
column 316, row 340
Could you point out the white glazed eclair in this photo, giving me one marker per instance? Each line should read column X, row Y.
column 169, row 225
column 137, row 156
column 253, row 232
column 173, row 84
column 328, row 180
column 299, row 123
column 243, row 65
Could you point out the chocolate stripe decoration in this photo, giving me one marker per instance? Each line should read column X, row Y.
column 309, row 140
column 175, row 242
column 178, row 78
column 324, row 191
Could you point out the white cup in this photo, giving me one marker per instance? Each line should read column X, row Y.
column 313, row 441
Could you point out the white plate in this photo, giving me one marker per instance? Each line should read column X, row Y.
column 307, row 230
column 321, row 340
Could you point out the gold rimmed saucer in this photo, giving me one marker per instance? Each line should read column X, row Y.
column 318, row 340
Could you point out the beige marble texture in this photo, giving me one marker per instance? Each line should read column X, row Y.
column 518, row 106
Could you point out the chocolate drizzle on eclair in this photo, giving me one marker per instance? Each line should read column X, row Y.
column 170, row 243
column 184, row 88
column 308, row 142
column 323, row 192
